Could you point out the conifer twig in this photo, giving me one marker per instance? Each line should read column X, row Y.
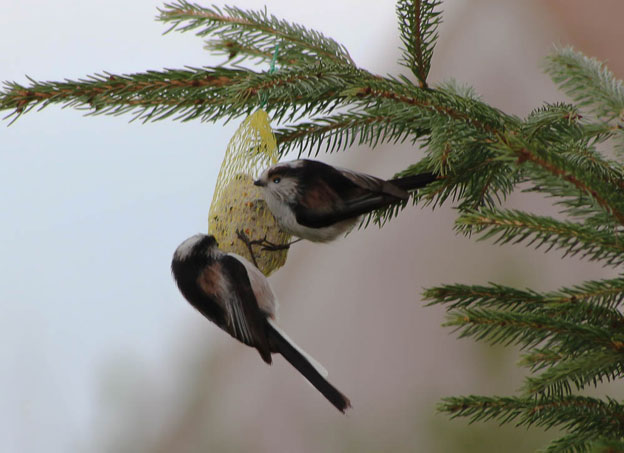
column 418, row 23
column 516, row 226
column 252, row 29
column 576, row 414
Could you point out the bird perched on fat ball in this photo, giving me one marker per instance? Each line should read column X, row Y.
column 319, row 202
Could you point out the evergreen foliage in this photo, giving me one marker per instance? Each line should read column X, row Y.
column 572, row 338
column 418, row 24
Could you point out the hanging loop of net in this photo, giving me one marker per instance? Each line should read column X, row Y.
column 237, row 205
column 271, row 71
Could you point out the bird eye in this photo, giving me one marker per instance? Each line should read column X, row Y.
column 277, row 180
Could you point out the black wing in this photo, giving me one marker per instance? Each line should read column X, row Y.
column 374, row 185
column 349, row 210
column 246, row 321
column 334, row 194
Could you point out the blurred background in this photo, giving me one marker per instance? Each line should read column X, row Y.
column 98, row 350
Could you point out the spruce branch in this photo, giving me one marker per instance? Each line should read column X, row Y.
column 152, row 95
column 540, row 358
column 596, row 186
column 529, row 330
column 592, row 302
column 419, row 110
column 204, row 93
column 343, row 130
column 571, row 443
column 445, row 105
column 588, row 82
column 337, row 132
column 418, row 23
column 254, row 31
column 237, row 51
column 558, row 122
column 476, row 179
column 559, row 127
column 581, row 154
column 516, row 226
column 587, row 313
column 573, row 203
column 579, row 371
column 608, row 445
column 584, row 443
column 468, row 169
column 215, row 93
column 579, row 415
column 603, row 293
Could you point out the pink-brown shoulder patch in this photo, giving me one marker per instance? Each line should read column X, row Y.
column 211, row 279
column 316, row 196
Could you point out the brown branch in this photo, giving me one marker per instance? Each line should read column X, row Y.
column 444, row 292
column 614, row 344
column 314, row 128
column 422, row 76
column 368, row 91
column 482, row 220
column 181, row 14
column 20, row 97
column 526, row 155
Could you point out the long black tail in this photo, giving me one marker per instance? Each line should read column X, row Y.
column 291, row 353
column 415, row 181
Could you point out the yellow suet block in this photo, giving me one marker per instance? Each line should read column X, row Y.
column 238, row 205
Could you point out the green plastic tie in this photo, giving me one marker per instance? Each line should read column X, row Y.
column 271, row 71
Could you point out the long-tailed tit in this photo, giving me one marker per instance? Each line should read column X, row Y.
column 318, row 202
column 231, row 292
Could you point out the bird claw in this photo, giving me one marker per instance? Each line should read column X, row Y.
column 271, row 247
column 264, row 243
column 249, row 243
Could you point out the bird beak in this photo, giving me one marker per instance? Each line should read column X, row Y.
column 259, row 183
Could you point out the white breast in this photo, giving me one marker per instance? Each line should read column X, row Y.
column 325, row 234
column 287, row 220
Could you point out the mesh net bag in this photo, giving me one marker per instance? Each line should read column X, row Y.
column 237, row 204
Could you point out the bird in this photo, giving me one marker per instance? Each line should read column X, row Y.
column 318, row 202
column 231, row 292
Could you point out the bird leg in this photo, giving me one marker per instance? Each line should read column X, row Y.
column 271, row 247
column 266, row 245
column 249, row 243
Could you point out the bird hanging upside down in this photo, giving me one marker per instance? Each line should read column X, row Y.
column 231, row 292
